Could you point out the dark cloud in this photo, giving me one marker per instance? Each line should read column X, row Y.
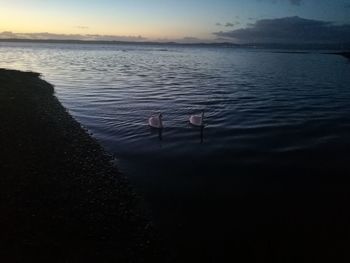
column 45, row 36
column 228, row 24
column 290, row 30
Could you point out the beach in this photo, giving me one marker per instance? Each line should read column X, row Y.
column 62, row 198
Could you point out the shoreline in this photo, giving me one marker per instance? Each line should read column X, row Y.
column 62, row 199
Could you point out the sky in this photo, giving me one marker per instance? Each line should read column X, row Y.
column 181, row 20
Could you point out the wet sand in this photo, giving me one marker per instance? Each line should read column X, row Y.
column 61, row 197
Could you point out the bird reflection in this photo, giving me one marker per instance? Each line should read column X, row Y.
column 157, row 132
column 160, row 134
column 201, row 134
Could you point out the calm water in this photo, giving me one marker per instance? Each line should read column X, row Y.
column 274, row 121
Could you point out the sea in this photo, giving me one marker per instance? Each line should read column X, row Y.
column 273, row 155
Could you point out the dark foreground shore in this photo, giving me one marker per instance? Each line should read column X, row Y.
column 61, row 199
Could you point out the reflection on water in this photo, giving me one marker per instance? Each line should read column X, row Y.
column 286, row 115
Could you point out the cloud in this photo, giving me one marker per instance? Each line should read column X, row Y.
column 46, row 36
column 290, row 30
column 228, row 24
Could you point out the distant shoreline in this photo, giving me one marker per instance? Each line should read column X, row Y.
column 111, row 42
column 344, row 54
column 344, row 47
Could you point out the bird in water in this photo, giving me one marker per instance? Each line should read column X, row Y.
column 197, row 119
column 155, row 121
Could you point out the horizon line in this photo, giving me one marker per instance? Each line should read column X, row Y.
column 335, row 46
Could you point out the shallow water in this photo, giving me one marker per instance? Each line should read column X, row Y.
column 274, row 121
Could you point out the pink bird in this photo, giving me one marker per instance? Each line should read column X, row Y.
column 155, row 121
column 197, row 119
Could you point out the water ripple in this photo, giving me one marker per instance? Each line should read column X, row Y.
column 254, row 102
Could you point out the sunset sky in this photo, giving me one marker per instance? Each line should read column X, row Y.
column 163, row 19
